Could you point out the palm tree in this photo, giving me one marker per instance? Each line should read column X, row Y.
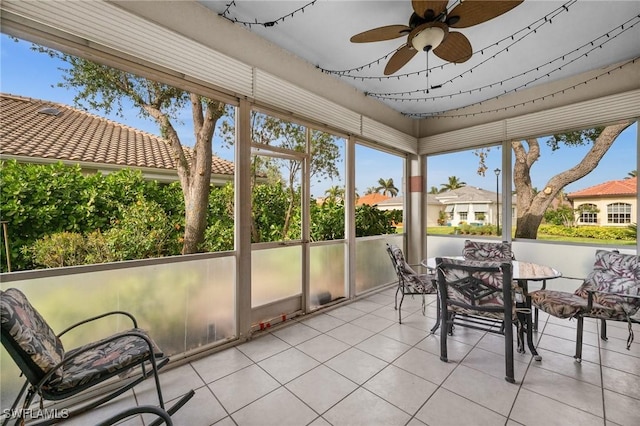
column 371, row 190
column 632, row 174
column 454, row 183
column 335, row 193
column 434, row 190
column 387, row 187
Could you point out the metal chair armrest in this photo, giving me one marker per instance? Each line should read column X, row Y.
column 106, row 314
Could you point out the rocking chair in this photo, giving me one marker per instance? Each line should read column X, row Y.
column 56, row 374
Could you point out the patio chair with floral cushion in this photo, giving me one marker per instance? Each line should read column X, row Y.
column 611, row 292
column 480, row 250
column 479, row 289
column 55, row 374
column 410, row 282
column 494, row 252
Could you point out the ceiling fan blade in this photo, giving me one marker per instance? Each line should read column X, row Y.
column 469, row 13
column 455, row 48
column 399, row 59
column 388, row 32
column 421, row 7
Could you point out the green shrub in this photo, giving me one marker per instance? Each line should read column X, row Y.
column 372, row 221
column 97, row 249
column 57, row 250
column 327, row 220
column 39, row 200
column 143, row 232
column 219, row 235
column 595, row 232
column 563, row 215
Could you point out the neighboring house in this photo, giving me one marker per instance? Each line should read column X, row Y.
column 612, row 203
column 468, row 204
column 37, row 131
column 394, row 203
column 371, row 199
column 434, row 207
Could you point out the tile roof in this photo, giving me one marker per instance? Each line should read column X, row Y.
column 466, row 194
column 371, row 199
column 612, row 188
column 76, row 135
column 392, row 201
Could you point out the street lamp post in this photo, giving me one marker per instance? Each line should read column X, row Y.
column 497, row 172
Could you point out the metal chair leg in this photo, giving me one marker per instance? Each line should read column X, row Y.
column 603, row 329
column 435, row 327
column 578, row 355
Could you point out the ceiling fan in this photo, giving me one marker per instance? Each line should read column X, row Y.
column 428, row 29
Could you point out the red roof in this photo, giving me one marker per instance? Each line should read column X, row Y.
column 371, row 199
column 79, row 136
column 609, row 189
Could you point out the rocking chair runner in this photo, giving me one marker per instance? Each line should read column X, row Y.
column 134, row 411
column 56, row 374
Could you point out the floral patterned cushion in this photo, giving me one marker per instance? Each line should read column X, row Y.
column 614, row 274
column 30, row 332
column 418, row 283
column 475, row 250
column 485, row 285
column 560, row 304
column 624, row 265
column 106, row 360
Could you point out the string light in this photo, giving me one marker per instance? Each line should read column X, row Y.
column 225, row 14
column 539, row 22
column 442, row 114
column 513, row 39
column 608, row 37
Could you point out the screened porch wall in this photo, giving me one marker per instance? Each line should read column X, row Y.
column 186, row 303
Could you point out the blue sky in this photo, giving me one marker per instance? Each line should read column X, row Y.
column 27, row 73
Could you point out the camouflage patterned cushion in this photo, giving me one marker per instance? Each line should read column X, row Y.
column 31, row 332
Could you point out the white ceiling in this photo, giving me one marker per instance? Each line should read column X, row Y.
column 537, row 42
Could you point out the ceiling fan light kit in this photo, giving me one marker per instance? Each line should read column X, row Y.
column 429, row 26
column 429, row 36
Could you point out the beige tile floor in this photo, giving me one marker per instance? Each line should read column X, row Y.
column 355, row 365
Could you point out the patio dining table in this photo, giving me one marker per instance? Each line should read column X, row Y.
column 522, row 273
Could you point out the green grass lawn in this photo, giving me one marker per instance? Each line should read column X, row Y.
column 448, row 230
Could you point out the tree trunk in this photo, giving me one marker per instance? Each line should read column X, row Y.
column 198, row 173
column 530, row 206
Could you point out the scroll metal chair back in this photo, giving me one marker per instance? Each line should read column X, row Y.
column 482, row 290
column 479, row 250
